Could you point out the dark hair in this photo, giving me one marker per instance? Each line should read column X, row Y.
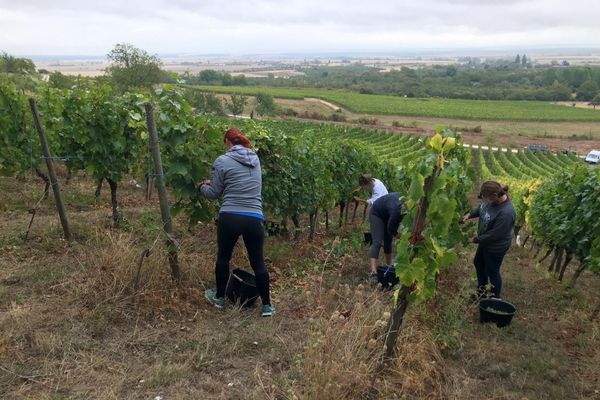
column 235, row 136
column 364, row 179
column 489, row 188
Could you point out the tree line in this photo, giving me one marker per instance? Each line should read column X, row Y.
column 516, row 79
column 511, row 81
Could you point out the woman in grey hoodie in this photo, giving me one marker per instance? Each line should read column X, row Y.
column 237, row 177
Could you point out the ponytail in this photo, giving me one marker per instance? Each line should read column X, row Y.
column 235, row 136
column 489, row 188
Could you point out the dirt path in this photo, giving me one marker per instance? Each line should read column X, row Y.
column 324, row 102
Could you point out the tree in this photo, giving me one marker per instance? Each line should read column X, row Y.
column 237, row 103
column 59, row 80
column 265, row 104
column 209, row 76
column 239, row 80
column 559, row 92
column 226, row 80
column 595, row 101
column 524, row 60
column 204, row 103
column 518, row 59
column 16, row 65
column 133, row 67
column 587, row 91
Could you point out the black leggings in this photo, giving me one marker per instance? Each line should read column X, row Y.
column 487, row 266
column 229, row 229
column 379, row 236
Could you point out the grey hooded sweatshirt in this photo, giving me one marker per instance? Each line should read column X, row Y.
column 237, row 176
column 496, row 226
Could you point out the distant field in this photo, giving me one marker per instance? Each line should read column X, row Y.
column 440, row 108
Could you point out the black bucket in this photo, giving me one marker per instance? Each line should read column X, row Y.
column 387, row 277
column 495, row 310
column 241, row 288
column 368, row 238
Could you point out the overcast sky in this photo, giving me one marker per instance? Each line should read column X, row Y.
column 271, row 26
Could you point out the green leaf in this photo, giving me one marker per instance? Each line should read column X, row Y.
column 436, row 142
column 178, row 168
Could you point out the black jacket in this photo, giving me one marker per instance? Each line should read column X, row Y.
column 389, row 208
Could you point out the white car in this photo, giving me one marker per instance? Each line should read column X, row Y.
column 593, row 157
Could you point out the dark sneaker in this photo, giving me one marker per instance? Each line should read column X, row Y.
column 373, row 280
column 268, row 310
column 211, row 295
column 478, row 295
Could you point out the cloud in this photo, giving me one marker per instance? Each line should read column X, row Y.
column 269, row 26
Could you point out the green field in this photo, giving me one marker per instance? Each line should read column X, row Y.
column 434, row 107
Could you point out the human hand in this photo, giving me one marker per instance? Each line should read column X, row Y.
column 204, row 182
column 471, row 240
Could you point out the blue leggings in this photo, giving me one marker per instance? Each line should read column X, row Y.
column 487, row 265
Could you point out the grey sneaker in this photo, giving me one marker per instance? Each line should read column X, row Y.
column 373, row 280
column 211, row 295
column 268, row 310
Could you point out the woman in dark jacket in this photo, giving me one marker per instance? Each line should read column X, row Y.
column 237, row 177
column 494, row 235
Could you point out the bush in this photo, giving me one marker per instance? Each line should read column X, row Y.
column 367, row 121
column 290, row 112
column 337, row 117
column 400, row 124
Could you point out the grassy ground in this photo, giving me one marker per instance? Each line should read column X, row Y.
column 577, row 136
column 72, row 327
column 426, row 107
column 572, row 131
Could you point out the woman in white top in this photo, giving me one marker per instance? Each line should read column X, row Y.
column 377, row 189
column 372, row 185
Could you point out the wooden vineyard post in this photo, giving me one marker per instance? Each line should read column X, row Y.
column 53, row 181
column 354, row 212
column 162, row 193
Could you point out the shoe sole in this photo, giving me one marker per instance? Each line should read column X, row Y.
column 268, row 314
column 211, row 301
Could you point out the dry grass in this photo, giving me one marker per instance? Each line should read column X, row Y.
column 72, row 326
